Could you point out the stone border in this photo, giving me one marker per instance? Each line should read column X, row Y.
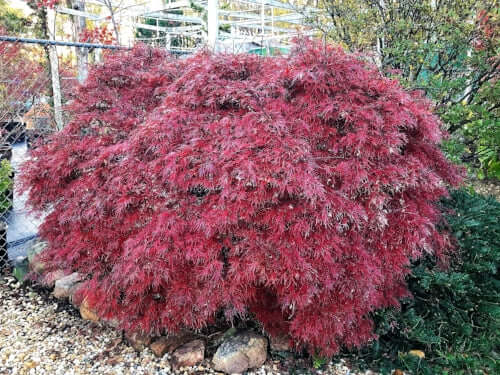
column 236, row 353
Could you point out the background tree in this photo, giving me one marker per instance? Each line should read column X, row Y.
column 21, row 78
column 12, row 20
column 22, row 74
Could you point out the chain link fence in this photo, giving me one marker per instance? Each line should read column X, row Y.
column 27, row 116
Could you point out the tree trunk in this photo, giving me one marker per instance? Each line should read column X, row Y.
column 41, row 14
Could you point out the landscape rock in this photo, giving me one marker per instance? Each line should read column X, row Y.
column 87, row 312
column 167, row 344
column 138, row 341
column 65, row 287
column 241, row 352
column 113, row 323
column 37, row 265
column 74, row 301
column 35, row 247
column 189, row 354
column 280, row 343
column 219, row 338
column 159, row 346
column 50, row 278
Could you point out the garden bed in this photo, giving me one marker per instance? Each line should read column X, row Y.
column 43, row 335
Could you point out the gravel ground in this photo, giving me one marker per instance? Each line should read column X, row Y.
column 42, row 335
column 487, row 188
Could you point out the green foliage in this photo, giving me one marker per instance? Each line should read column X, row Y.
column 6, row 186
column 318, row 362
column 477, row 139
column 20, row 270
column 197, row 8
column 12, row 20
column 454, row 316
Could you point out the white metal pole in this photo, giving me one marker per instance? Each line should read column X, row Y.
column 82, row 54
column 262, row 17
column 262, row 25
column 272, row 21
column 54, row 69
column 271, row 42
column 213, row 23
column 157, row 32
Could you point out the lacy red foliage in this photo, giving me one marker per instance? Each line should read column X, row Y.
column 45, row 3
column 99, row 34
column 296, row 190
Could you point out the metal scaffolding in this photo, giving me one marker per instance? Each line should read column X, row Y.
column 222, row 25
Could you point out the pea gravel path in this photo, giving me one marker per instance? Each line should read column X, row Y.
column 42, row 335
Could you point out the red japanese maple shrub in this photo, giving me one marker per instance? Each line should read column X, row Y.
column 295, row 190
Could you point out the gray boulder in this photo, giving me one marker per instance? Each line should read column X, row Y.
column 241, row 352
column 65, row 286
column 189, row 354
column 139, row 341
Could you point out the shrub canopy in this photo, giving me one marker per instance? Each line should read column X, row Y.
column 293, row 189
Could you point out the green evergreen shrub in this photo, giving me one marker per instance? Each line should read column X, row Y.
column 454, row 315
column 6, row 185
